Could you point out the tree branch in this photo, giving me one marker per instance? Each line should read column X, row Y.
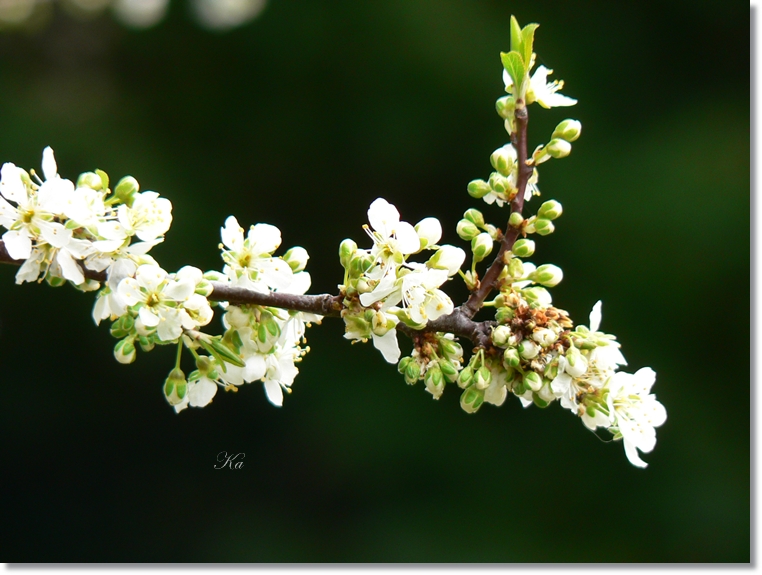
column 487, row 284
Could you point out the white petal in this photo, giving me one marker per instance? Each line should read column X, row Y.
column 29, row 271
column 388, row 346
column 383, row 217
column 69, row 267
column 274, row 392
column 18, row 244
column 557, row 100
column 179, row 290
column 408, row 241
column 54, row 233
column 8, row 214
column 595, row 317
column 170, row 324
column 11, row 184
column 150, row 277
column 130, row 291
column 264, row 239
column 255, row 369
column 232, row 234
column 201, row 392
column 632, row 455
column 149, row 318
column 49, row 167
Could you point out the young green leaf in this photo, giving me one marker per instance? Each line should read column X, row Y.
column 514, row 64
column 527, row 43
column 517, row 38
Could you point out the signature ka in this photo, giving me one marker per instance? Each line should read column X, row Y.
column 233, row 461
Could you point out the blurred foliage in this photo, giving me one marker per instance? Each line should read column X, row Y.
column 301, row 119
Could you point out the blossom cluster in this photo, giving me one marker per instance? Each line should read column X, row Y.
column 382, row 288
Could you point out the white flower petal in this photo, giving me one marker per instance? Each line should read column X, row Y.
column 69, row 267
column 274, row 392
column 49, row 168
column 18, row 244
column 201, row 392
column 54, row 233
column 388, row 346
column 148, row 317
column 595, row 317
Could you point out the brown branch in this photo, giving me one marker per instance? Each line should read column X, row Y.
column 326, row 305
column 488, row 282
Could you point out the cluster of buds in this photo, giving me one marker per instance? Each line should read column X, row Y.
column 436, row 359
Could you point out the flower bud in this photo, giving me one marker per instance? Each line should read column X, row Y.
column 532, row 381
column 528, row 349
column 543, row 227
column 451, row 349
column 124, row 351
column 296, row 258
column 550, row 210
column 449, row 371
column 515, row 219
column 402, row 365
column 499, row 183
column 500, row 335
column 478, row 189
column 511, row 357
column 558, row 148
column 503, row 159
column 505, row 107
column 147, row 343
column 447, row 258
column 380, row 324
column 175, row 387
column 475, row 217
column 465, row 377
column 126, row 189
column 204, row 364
column 523, row 248
column 576, row 363
column 412, row 372
column 434, row 381
column 347, row 249
column 429, row 232
column 466, row 230
column 471, row 399
column 545, row 337
column 516, row 268
column 547, row 275
column 481, row 245
column 504, row 314
column 90, row 180
column 537, row 295
column 482, row 377
column 568, row 130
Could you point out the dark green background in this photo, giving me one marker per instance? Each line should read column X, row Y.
column 301, row 119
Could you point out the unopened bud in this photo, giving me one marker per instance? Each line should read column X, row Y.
column 90, row 180
column 550, row 210
column 568, row 130
column 511, row 357
column 532, row 381
column 543, row 227
column 175, row 387
column 434, row 381
column 547, row 275
column 515, row 219
column 504, row 314
column 482, row 377
column 126, row 189
column 528, row 349
column 505, row 107
column 449, row 371
column 447, row 258
column 478, row 189
column 347, row 249
column 475, row 217
column 503, row 159
column 523, row 248
column 471, row 399
column 545, row 337
column 296, row 258
column 576, row 363
column 558, row 148
column 466, row 230
column 466, row 376
column 481, row 245
column 429, row 232
column 500, row 335
column 124, row 351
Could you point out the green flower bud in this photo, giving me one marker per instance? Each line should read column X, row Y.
column 204, row 288
column 175, row 387
column 528, row 349
column 503, row 159
column 215, row 276
column 550, row 210
column 504, row 315
column 539, row 402
column 402, row 365
column 465, row 377
column 537, row 295
column 568, row 130
column 482, row 377
column 475, row 217
column 54, row 281
column 516, row 268
column 505, row 107
column 547, row 275
column 576, row 363
column 471, row 399
column 450, row 348
column 500, row 335
column 511, row 358
column 499, row 183
column 466, row 230
column 558, row 148
column 146, row 342
column 481, row 245
column 434, row 381
column 126, row 189
column 204, row 364
column 124, row 351
column 544, row 227
column 296, row 258
column 90, row 180
column 412, row 372
column 523, row 248
column 532, row 381
column 545, row 337
column 515, row 219
column 449, row 371
column 347, row 249
column 478, row 189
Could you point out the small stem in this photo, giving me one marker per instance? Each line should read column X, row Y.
column 179, row 353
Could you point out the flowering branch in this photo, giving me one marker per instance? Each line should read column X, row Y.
column 98, row 240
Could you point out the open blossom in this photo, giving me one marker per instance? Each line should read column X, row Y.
column 636, row 411
column 249, row 261
column 149, row 218
column 540, row 90
column 390, row 235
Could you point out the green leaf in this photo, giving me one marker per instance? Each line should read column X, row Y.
column 527, row 43
column 514, row 64
column 104, row 179
column 517, row 38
